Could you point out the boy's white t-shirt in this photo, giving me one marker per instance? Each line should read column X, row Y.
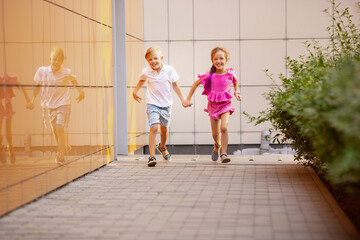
column 159, row 86
column 52, row 94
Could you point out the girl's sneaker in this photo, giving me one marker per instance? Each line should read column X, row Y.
column 225, row 158
column 215, row 154
column 152, row 161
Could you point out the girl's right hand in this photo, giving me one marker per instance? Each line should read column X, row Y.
column 187, row 103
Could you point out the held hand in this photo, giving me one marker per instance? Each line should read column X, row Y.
column 187, row 103
column 81, row 96
column 137, row 98
column 30, row 105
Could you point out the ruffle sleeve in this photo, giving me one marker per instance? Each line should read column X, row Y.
column 233, row 73
column 204, row 78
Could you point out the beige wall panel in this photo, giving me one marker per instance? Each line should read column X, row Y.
column 2, row 37
column 135, row 60
column 37, row 21
column 19, row 59
column 180, row 138
column 234, row 138
column 256, row 56
column 134, row 10
column 181, row 20
column 181, row 58
column 203, row 138
column 155, row 20
column 182, row 119
column 214, row 19
column 69, row 23
column 17, row 19
column 305, row 18
column 2, row 59
column 202, row 119
column 250, row 137
column 262, row 19
column 253, row 102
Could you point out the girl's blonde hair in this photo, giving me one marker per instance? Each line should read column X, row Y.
column 152, row 49
column 59, row 51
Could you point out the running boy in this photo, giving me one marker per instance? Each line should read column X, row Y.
column 161, row 79
column 54, row 81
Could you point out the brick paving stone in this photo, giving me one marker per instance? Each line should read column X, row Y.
column 184, row 199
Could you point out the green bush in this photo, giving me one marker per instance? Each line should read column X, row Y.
column 317, row 108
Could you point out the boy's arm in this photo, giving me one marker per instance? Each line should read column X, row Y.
column 191, row 93
column 178, row 92
column 79, row 89
column 137, row 88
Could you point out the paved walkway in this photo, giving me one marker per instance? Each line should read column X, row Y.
column 188, row 198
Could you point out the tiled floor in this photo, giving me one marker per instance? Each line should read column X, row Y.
column 188, row 198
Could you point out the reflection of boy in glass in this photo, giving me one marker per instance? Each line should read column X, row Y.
column 7, row 83
column 55, row 98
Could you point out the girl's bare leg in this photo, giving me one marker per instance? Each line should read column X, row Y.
column 215, row 129
column 224, row 131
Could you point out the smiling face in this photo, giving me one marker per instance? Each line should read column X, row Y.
column 219, row 60
column 56, row 60
column 155, row 60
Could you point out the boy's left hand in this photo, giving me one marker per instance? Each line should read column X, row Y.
column 81, row 96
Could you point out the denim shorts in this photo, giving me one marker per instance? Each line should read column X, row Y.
column 59, row 116
column 161, row 115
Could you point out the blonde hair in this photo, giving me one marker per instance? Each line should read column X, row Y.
column 152, row 49
column 59, row 51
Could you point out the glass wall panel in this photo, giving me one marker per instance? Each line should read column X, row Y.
column 56, row 93
column 134, row 65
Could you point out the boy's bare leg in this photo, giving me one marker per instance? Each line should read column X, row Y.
column 152, row 139
column 60, row 132
column 164, row 134
column 9, row 139
column 224, row 131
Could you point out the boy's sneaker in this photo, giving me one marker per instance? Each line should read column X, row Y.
column 225, row 158
column 152, row 161
column 167, row 157
column 59, row 161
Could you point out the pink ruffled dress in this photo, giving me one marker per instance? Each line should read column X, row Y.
column 6, row 92
column 219, row 95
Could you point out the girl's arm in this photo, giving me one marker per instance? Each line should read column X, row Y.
column 237, row 92
column 191, row 93
column 178, row 92
column 137, row 88
column 36, row 91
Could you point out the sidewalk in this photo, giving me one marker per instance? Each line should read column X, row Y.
column 188, row 198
